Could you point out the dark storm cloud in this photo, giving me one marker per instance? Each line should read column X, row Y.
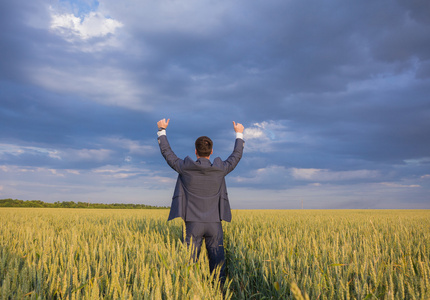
column 261, row 56
column 22, row 45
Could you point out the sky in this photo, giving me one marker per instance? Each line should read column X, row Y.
column 334, row 96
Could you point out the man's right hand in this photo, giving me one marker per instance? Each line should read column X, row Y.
column 163, row 123
column 238, row 127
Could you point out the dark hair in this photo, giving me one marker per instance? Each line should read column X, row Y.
column 204, row 146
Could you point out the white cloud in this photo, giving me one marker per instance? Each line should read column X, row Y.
column 97, row 155
column 268, row 174
column 17, row 150
column 307, row 174
column 328, row 175
column 92, row 25
column 418, row 161
column 115, row 172
column 110, row 170
column 54, row 172
column 20, row 170
column 399, row 185
column 75, row 172
column 280, row 176
column 254, row 133
column 264, row 136
column 267, row 130
column 54, row 154
column 133, row 147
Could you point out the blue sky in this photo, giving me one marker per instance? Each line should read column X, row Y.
column 334, row 96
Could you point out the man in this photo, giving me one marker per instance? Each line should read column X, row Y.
column 200, row 196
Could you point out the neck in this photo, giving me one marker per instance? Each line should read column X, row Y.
column 207, row 157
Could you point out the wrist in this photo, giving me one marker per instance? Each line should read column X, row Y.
column 161, row 132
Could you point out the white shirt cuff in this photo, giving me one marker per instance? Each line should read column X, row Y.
column 239, row 135
column 161, row 132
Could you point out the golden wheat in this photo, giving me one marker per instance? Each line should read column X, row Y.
column 274, row 254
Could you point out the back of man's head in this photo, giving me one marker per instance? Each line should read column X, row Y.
column 204, row 146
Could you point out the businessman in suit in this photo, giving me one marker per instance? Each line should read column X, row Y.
column 200, row 197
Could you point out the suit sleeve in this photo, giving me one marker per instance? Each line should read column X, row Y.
column 231, row 162
column 172, row 160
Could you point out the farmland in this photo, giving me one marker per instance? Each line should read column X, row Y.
column 50, row 253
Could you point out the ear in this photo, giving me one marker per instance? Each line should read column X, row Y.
column 212, row 152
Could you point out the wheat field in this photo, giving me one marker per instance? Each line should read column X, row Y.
column 270, row 254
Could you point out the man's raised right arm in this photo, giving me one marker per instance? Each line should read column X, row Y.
column 172, row 160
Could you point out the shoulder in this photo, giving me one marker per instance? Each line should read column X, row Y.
column 217, row 161
column 188, row 161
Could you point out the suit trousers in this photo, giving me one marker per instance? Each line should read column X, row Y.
column 213, row 236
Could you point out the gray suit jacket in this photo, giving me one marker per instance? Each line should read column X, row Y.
column 200, row 192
